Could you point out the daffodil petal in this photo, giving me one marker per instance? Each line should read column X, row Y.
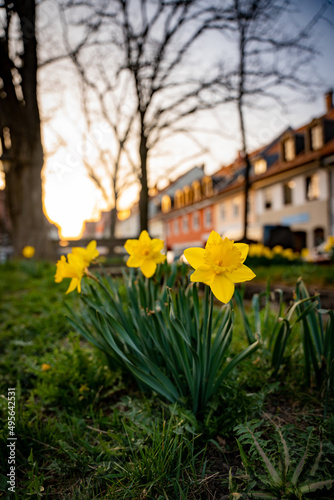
column 243, row 249
column 134, row 261
column 131, row 246
column 203, row 274
column 144, row 237
column 214, row 239
column 157, row 245
column 241, row 274
column 195, row 256
column 222, row 288
column 158, row 257
column 73, row 285
column 148, row 268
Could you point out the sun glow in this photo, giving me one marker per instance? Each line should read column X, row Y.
column 70, row 202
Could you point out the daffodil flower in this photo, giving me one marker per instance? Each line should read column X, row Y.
column 28, row 252
column 219, row 265
column 88, row 254
column 329, row 244
column 74, row 268
column 76, row 265
column 145, row 253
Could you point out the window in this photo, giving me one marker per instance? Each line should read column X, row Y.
column 312, row 187
column 166, row 204
column 195, row 221
column 185, row 223
column 318, row 236
column 223, row 211
column 316, row 137
column 188, row 195
column 207, row 217
column 287, row 192
column 207, row 186
column 235, row 208
column 197, row 190
column 176, row 226
column 289, row 149
column 178, row 199
column 260, row 166
column 267, row 199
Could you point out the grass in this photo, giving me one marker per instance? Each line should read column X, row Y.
column 314, row 275
column 85, row 431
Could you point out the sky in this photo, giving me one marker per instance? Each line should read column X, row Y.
column 70, row 197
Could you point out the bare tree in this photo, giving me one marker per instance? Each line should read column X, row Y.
column 151, row 42
column 20, row 127
column 269, row 59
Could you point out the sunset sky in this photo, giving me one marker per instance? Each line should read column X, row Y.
column 70, row 197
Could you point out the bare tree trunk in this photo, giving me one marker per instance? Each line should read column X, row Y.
column 143, row 197
column 247, row 171
column 20, row 121
column 24, row 196
column 242, row 42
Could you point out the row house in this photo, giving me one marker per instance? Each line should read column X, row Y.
column 292, row 186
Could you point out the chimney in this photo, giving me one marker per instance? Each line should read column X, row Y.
column 329, row 100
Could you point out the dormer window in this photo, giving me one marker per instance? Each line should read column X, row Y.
column 166, row 204
column 207, row 186
column 260, row 166
column 178, row 199
column 317, row 140
column 188, row 195
column 289, row 149
column 197, row 190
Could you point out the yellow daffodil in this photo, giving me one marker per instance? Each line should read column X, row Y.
column 219, row 265
column 267, row 252
column 278, row 249
column 256, row 250
column 45, row 367
column 288, row 253
column 28, row 252
column 88, row 254
column 145, row 253
column 329, row 244
column 74, row 268
column 84, row 388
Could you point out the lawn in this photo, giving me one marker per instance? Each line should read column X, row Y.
column 86, row 429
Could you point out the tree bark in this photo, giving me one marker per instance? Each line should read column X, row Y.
column 20, row 119
column 143, row 197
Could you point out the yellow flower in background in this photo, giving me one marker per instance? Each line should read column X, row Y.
column 305, row 253
column 45, row 367
column 278, row 249
column 256, row 250
column 267, row 252
column 88, row 254
column 145, row 253
column 28, row 252
column 219, row 265
column 84, row 388
column 288, row 253
column 74, row 268
column 329, row 244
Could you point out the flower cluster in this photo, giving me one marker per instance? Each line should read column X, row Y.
column 259, row 250
column 75, row 266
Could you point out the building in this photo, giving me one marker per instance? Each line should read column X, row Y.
column 292, row 186
column 291, row 195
